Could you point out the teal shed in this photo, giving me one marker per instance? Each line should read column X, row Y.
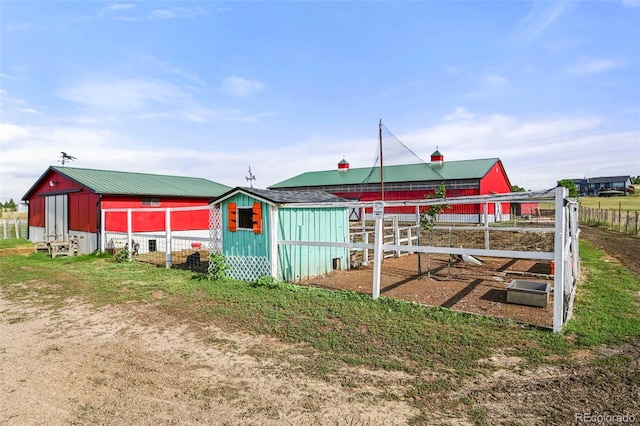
column 264, row 232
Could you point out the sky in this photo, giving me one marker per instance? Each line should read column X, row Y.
column 208, row 89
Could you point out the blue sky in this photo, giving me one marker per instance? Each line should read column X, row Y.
column 207, row 89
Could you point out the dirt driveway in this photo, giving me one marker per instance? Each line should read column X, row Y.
column 129, row 364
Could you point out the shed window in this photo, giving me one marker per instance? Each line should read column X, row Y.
column 245, row 218
column 150, row 201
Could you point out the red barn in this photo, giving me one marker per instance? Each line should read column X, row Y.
column 68, row 201
column 413, row 182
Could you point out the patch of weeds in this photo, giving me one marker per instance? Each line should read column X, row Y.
column 389, row 396
column 18, row 319
column 52, row 349
column 478, row 415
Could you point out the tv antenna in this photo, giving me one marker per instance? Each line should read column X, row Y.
column 250, row 178
column 65, row 158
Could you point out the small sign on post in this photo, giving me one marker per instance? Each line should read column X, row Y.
column 378, row 209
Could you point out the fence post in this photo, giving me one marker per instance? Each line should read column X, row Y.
column 626, row 223
column 103, row 225
column 4, row 228
column 378, row 253
column 15, row 223
column 168, row 261
column 558, row 247
column 486, row 226
column 129, row 235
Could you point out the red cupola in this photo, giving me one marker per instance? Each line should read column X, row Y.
column 437, row 158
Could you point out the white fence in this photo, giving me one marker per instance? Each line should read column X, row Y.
column 13, row 228
column 562, row 227
column 162, row 245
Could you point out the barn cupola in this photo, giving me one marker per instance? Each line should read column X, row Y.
column 343, row 165
column 437, row 159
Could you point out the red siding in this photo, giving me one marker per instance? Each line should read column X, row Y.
column 81, row 202
column 496, row 182
column 414, row 195
column 84, row 214
column 155, row 220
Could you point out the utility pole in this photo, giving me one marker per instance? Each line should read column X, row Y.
column 381, row 165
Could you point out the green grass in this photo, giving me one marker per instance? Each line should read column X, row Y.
column 606, row 306
column 332, row 329
column 15, row 242
column 628, row 203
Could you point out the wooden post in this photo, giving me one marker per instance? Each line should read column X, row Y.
column 626, row 223
column 15, row 223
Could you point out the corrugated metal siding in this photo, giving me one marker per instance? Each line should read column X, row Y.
column 155, row 221
column 245, row 242
column 418, row 195
column 83, row 212
column 311, row 224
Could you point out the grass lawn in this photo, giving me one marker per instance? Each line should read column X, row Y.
column 343, row 327
column 628, row 203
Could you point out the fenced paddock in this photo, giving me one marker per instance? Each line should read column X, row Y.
column 546, row 244
column 161, row 246
column 618, row 220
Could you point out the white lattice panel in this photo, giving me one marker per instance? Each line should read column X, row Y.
column 215, row 229
column 248, row 268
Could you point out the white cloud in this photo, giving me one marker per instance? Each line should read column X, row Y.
column 495, row 80
column 536, row 153
column 123, row 95
column 595, row 66
column 238, row 86
column 460, row 113
column 541, row 17
column 162, row 14
column 120, row 6
column 171, row 70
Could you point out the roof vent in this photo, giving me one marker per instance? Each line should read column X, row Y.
column 343, row 165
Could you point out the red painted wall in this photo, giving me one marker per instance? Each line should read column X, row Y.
column 415, row 195
column 84, row 214
column 155, row 220
column 496, row 182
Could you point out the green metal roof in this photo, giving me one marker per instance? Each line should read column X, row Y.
column 451, row 170
column 127, row 183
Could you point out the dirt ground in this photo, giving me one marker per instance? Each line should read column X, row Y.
column 129, row 364
column 480, row 289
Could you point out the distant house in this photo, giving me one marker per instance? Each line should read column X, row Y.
column 413, row 182
column 254, row 221
column 68, row 201
column 605, row 186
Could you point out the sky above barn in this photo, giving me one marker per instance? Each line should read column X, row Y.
column 209, row 89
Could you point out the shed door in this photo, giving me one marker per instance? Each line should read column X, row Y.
column 57, row 216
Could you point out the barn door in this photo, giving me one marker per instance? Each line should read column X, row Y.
column 57, row 219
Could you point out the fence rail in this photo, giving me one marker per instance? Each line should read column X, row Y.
column 13, row 228
column 623, row 221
